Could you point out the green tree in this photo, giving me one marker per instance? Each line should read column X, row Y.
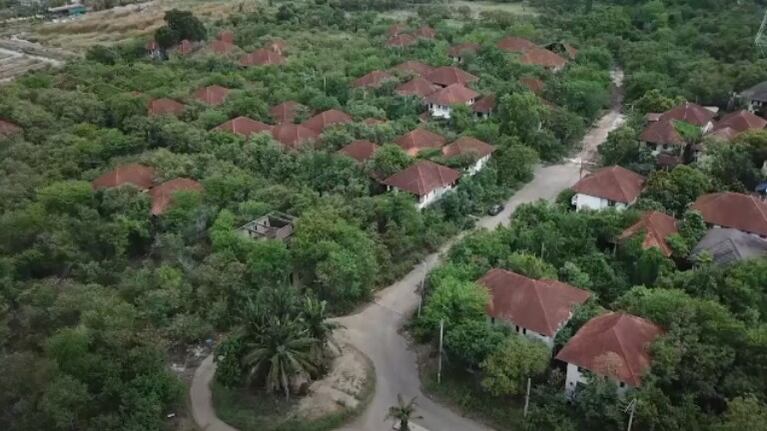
column 517, row 359
column 456, row 302
column 676, row 189
column 744, row 413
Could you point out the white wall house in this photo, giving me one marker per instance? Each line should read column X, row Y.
column 429, row 198
column 610, row 187
column 440, row 103
column 478, row 165
column 443, row 111
column 576, row 375
column 548, row 340
column 585, row 202
column 426, row 180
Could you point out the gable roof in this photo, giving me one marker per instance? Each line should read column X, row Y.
column 401, row 40
column 657, row 227
column 244, row 126
column 8, row 129
column 729, row 246
column 325, row 119
column 419, row 139
column 222, row 47
column 226, row 36
column 137, row 175
column 452, row 95
column 286, row 112
column 423, row 177
column 360, row 150
column 542, row 57
column 614, row 183
column 741, row 121
column 613, row 344
column 448, row 75
column 515, row 44
column 425, row 32
column 461, row 49
column 293, row 136
column 262, row 57
column 212, row 95
column 417, row 86
column 162, row 195
column 413, row 67
column 736, row 210
column 165, row 106
column 372, row 79
column 543, row 306
column 467, row 145
column 533, row 84
column 663, row 133
column 484, row 104
column 689, row 113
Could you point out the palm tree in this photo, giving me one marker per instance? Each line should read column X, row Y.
column 403, row 412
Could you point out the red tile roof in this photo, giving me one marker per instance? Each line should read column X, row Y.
column 139, row 176
column 417, row 86
column 293, row 136
column 361, row 150
column 185, row 47
column 412, row 67
column 226, row 36
column 663, row 133
column 613, row 344
column 690, row 113
column 423, row 177
column 534, row 84
column 462, row 49
column 8, row 129
column 736, row 210
column 325, row 119
column 741, row 121
column 449, row 75
column 222, row 47
column 614, row 183
column 515, row 44
column 454, row 94
column 212, row 95
column 467, row 145
column 286, row 112
column 425, row 32
column 262, row 57
column 542, row 57
column 419, row 139
column 244, row 127
column 372, row 79
column 401, row 40
column 543, row 306
column 725, row 133
column 165, row 106
column 656, row 227
column 485, row 104
column 162, row 195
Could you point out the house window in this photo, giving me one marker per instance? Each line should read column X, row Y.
column 610, row 203
column 516, row 328
column 492, row 320
column 622, row 385
column 524, row 331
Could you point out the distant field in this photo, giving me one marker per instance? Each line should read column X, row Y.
column 477, row 7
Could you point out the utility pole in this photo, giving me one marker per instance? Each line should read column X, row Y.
column 527, row 398
column 439, row 360
column 632, row 406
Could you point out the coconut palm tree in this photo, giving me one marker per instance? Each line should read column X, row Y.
column 403, row 412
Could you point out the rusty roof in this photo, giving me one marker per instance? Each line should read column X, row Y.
column 689, row 113
column 212, row 95
column 662, row 132
column 8, row 129
column 425, row 32
column 656, row 227
column 461, row 49
column 736, row 210
column 449, row 75
column 725, row 134
column 423, row 177
column 360, row 150
column 372, row 79
column 417, row 86
column 401, row 40
column 162, row 195
column 467, row 145
column 741, row 121
column 222, row 47
column 412, row 67
column 262, row 57
column 137, row 175
column 244, row 126
column 515, row 44
column 325, row 119
column 543, row 306
column 542, row 57
column 396, row 29
column 614, row 183
column 452, row 95
column 615, row 345
column 286, row 112
column 294, row 136
column 165, row 106
column 484, row 104
column 185, row 47
column 419, row 139
column 226, row 36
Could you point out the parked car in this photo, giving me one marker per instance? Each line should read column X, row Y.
column 495, row 209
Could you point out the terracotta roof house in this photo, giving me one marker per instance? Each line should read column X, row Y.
column 564, row 49
column 137, row 175
column 656, row 228
column 533, row 84
column 162, row 195
column 186, row 47
column 360, row 150
column 164, row 106
column 544, row 58
column 326, row 119
column 690, row 113
column 412, row 67
column 417, row 86
column 612, row 186
column 461, row 50
column 286, row 112
column 741, row 121
column 479, row 152
column 262, row 57
column 484, row 106
column 374, row 79
column 734, row 210
column 226, row 36
column 449, row 75
column 615, row 345
column 212, row 95
column 441, row 101
column 153, row 49
column 427, row 180
column 662, row 136
column 536, row 308
column 723, row 134
column 8, row 129
column 425, row 32
column 222, row 47
column 294, row 136
column 401, row 41
column 727, row 246
column 418, row 140
column 244, row 126
column 515, row 44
